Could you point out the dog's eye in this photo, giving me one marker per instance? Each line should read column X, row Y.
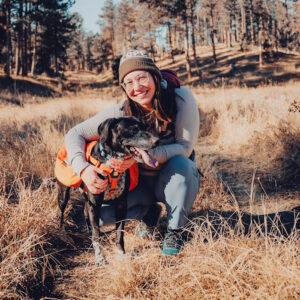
column 135, row 130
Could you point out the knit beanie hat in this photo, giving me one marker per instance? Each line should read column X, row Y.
column 136, row 60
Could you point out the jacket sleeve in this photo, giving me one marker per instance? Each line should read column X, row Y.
column 76, row 137
column 187, row 124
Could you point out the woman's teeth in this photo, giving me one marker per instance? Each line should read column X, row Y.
column 142, row 94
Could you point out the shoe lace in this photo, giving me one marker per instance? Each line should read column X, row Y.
column 172, row 239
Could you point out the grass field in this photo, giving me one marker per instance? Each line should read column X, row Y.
column 249, row 152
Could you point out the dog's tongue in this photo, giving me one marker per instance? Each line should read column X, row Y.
column 147, row 158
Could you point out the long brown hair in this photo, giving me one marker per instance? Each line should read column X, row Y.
column 164, row 107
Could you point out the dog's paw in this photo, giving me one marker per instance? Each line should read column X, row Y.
column 99, row 257
column 100, row 260
column 120, row 254
column 119, row 251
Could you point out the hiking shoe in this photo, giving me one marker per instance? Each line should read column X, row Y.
column 172, row 242
column 144, row 230
column 150, row 220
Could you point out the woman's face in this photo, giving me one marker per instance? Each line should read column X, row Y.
column 140, row 88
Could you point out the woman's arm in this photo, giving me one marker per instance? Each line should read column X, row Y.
column 76, row 138
column 186, row 128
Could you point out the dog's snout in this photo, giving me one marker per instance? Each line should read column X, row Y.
column 150, row 136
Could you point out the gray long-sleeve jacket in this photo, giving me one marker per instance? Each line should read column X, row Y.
column 186, row 132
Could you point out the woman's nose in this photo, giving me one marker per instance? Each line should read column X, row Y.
column 136, row 85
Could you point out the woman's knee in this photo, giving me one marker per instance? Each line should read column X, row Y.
column 179, row 176
column 180, row 165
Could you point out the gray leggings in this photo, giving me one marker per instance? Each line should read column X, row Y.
column 177, row 186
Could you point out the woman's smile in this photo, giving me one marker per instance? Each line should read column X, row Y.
column 141, row 92
column 141, row 95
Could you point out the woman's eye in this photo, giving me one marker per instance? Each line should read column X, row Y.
column 128, row 83
column 142, row 79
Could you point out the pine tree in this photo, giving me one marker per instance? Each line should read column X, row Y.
column 107, row 23
column 76, row 51
column 5, row 35
column 211, row 9
column 56, row 35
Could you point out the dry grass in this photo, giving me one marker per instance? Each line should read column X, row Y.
column 30, row 137
column 24, row 238
column 244, row 114
column 232, row 266
column 242, row 130
column 251, row 132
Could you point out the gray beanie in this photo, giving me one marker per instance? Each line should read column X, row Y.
column 136, row 60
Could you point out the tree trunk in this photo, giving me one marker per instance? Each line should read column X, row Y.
column 7, row 67
column 25, row 40
column 235, row 29
column 243, row 21
column 187, row 56
column 212, row 34
column 252, row 29
column 112, row 38
column 276, row 35
column 17, row 54
column 225, row 37
column 174, row 37
column 152, row 50
column 260, row 40
column 33, row 59
column 229, row 38
column 171, row 42
column 20, row 43
column 194, row 44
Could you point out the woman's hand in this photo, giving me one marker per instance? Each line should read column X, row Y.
column 121, row 165
column 94, row 183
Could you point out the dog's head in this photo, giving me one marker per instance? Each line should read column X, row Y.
column 121, row 136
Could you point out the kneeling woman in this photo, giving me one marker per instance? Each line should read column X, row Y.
column 172, row 112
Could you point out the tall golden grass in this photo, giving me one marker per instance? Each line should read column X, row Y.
column 254, row 125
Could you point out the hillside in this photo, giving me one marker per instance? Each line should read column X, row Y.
column 234, row 69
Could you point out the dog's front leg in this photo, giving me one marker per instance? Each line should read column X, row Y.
column 94, row 209
column 86, row 214
column 121, row 214
column 62, row 199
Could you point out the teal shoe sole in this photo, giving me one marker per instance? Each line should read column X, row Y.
column 170, row 251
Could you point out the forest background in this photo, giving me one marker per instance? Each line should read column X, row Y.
column 42, row 36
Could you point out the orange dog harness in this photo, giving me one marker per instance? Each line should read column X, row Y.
column 65, row 174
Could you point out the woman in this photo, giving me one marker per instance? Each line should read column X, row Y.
column 173, row 114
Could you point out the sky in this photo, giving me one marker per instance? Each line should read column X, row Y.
column 90, row 11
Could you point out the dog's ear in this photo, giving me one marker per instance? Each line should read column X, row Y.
column 105, row 131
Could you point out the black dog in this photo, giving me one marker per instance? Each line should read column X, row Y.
column 119, row 137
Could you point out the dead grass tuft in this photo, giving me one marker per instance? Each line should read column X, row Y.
column 24, row 231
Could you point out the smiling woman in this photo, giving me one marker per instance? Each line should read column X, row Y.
column 171, row 112
column 140, row 86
